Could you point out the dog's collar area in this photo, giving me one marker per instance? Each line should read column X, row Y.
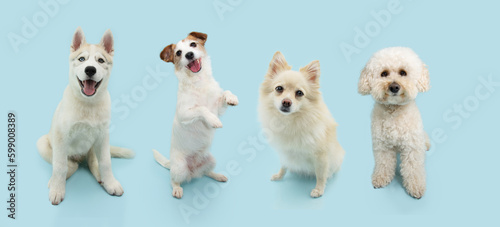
column 88, row 87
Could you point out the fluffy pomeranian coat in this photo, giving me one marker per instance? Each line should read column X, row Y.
column 298, row 123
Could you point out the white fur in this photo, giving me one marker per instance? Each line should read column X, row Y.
column 305, row 137
column 80, row 124
column 200, row 103
column 396, row 123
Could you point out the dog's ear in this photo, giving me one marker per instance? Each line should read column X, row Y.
column 364, row 87
column 312, row 71
column 201, row 37
column 78, row 39
column 423, row 83
column 167, row 54
column 278, row 64
column 107, row 42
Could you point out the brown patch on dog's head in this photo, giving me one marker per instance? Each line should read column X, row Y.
column 200, row 37
column 167, row 54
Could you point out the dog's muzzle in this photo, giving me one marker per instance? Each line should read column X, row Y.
column 285, row 105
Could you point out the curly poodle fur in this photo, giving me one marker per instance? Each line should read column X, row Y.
column 393, row 77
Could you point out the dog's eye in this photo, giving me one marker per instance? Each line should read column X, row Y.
column 279, row 89
column 402, row 73
column 384, row 74
column 81, row 59
column 193, row 44
column 178, row 53
column 100, row 60
column 299, row 93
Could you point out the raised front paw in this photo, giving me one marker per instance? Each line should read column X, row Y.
column 230, row 99
column 214, row 121
column 113, row 187
column 57, row 190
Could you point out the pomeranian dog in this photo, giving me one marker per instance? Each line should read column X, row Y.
column 298, row 122
column 393, row 77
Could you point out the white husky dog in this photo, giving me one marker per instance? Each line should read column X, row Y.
column 200, row 102
column 80, row 124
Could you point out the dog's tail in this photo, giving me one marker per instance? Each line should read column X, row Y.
column 120, row 152
column 44, row 148
column 161, row 159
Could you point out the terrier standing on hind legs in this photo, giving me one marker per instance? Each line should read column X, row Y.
column 200, row 103
column 394, row 76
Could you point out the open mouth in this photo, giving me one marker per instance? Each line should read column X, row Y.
column 195, row 65
column 89, row 87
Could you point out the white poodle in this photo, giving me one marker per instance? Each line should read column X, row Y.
column 394, row 76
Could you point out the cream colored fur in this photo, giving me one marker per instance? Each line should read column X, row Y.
column 80, row 124
column 396, row 123
column 305, row 137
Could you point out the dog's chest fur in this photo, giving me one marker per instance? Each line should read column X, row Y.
column 396, row 124
column 81, row 124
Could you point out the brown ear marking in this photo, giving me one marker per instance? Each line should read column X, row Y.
column 167, row 54
column 201, row 37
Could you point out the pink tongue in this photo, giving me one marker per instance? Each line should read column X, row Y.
column 89, row 87
column 195, row 66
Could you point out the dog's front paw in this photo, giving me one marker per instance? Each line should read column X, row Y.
column 231, row 99
column 277, row 177
column 57, row 191
column 113, row 187
column 214, row 121
column 380, row 180
column 315, row 193
column 415, row 189
column 177, row 192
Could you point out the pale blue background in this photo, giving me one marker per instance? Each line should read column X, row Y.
column 458, row 41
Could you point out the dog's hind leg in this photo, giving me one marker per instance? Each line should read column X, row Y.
column 44, row 148
column 72, row 167
column 216, row 176
column 427, row 142
column 210, row 165
column 279, row 175
column 93, row 165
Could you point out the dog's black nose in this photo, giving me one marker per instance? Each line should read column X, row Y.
column 286, row 102
column 90, row 70
column 394, row 87
column 189, row 55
